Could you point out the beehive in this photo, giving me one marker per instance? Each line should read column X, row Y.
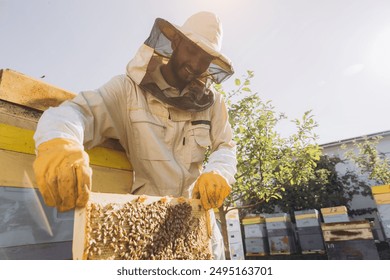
column 255, row 232
column 37, row 231
column 117, row 226
column 309, row 231
column 22, row 101
column 381, row 196
column 349, row 240
column 336, row 214
column 281, row 238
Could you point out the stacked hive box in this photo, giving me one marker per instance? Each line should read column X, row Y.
column 382, row 199
column 28, row 228
column 234, row 235
column 335, row 214
column 255, row 232
column 281, row 237
column 309, row 231
column 349, row 240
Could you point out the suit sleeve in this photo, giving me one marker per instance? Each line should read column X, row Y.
column 223, row 151
column 90, row 118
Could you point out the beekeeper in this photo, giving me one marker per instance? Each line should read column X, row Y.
column 164, row 113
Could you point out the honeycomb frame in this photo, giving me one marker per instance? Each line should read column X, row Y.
column 130, row 227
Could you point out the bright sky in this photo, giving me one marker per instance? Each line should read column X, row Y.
column 328, row 56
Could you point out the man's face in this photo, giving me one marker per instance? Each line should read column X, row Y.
column 189, row 61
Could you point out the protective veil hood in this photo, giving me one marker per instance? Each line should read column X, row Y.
column 202, row 29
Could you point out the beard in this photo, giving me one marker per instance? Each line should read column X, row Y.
column 183, row 72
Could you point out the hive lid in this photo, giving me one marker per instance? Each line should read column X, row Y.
column 253, row 220
column 380, row 189
column 337, row 210
column 277, row 217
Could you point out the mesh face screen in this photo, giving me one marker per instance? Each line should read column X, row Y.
column 163, row 47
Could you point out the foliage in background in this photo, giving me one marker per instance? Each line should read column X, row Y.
column 288, row 173
column 267, row 162
column 369, row 160
column 337, row 189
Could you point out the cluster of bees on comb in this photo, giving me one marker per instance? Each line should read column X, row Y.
column 138, row 231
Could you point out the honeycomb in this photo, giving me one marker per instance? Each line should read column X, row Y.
column 141, row 228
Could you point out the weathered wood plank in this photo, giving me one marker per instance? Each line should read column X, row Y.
column 19, row 116
column 347, row 234
column 382, row 198
column 110, row 180
column 346, row 231
column 345, row 225
column 21, row 89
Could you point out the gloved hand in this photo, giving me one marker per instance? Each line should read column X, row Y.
column 63, row 174
column 212, row 189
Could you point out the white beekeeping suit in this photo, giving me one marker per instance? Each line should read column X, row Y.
column 164, row 131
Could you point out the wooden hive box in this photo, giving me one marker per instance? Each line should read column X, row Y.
column 255, row 232
column 381, row 196
column 309, row 231
column 347, row 231
column 254, row 227
column 22, row 101
column 349, row 240
column 280, row 234
column 118, row 226
column 310, row 240
column 35, row 230
column 307, row 218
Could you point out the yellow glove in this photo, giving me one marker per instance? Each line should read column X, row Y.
column 212, row 189
column 63, row 174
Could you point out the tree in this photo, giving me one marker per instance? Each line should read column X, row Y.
column 369, row 160
column 328, row 188
column 267, row 162
column 339, row 189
